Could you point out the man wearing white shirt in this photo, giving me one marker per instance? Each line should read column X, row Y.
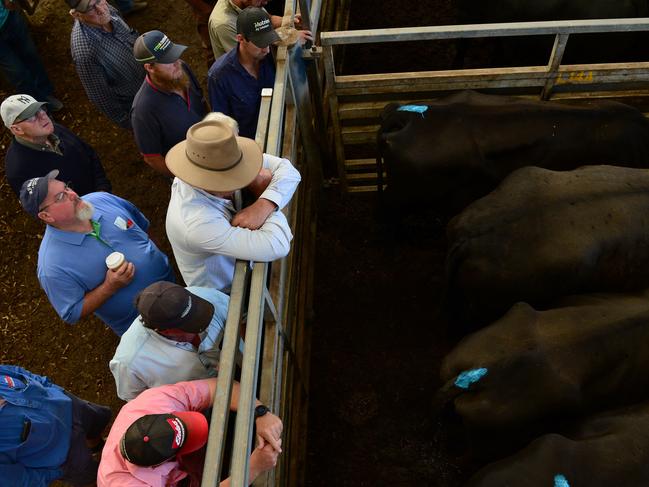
column 206, row 224
column 177, row 337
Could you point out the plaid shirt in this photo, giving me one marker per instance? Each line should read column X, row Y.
column 108, row 71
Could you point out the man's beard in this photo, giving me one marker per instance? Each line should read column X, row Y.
column 179, row 84
column 84, row 210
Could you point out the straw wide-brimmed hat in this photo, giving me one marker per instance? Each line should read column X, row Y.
column 214, row 159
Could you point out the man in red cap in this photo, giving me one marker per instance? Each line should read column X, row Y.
column 157, row 439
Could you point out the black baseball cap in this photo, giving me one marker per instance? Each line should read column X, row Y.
column 34, row 191
column 155, row 47
column 165, row 305
column 253, row 23
column 155, row 438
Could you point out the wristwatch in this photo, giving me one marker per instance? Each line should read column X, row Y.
column 261, row 410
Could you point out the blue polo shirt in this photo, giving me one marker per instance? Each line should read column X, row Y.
column 235, row 92
column 160, row 119
column 36, row 428
column 70, row 264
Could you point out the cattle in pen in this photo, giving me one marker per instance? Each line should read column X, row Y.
column 451, row 151
column 545, row 234
column 586, row 354
column 610, row 449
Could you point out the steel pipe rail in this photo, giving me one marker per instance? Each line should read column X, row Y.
column 483, row 30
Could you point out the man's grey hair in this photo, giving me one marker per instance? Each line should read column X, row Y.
column 222, row 117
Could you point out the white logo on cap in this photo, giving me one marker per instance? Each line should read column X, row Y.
column 31, row 184
column 187, row 309
column 261, row 24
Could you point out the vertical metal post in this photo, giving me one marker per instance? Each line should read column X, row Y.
column 560, row 41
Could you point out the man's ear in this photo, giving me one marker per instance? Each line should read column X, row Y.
column 240, row 38
column 148, row 67
column 46, row 217
column 16, row 130
column 75, row 14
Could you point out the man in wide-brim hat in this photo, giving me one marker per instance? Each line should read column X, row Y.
column 206, row 224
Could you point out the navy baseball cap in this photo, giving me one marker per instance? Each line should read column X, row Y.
column 253, row 23
column 155, row 47
column 34, row 191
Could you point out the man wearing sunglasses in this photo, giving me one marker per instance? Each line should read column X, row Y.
column 80, row 234
column 101, row 46
column 40, row 146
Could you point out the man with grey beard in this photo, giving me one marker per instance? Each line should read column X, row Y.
column 169, row 101
column 80, row 234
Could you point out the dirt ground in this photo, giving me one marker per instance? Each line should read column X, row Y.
column 31, row 333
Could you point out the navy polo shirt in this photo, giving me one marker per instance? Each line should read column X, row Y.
column 235, row 92
column 160, row 119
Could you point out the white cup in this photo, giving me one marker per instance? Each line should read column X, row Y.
column 115, row 260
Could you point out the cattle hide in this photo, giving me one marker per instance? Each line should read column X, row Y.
column 607, row 450
column 463, row 145
column 544, row 234
column 589, row 354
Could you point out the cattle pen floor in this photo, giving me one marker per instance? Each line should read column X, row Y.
column 376, row 350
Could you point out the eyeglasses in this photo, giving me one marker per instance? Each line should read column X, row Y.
column 58, row 197
column 33, row 118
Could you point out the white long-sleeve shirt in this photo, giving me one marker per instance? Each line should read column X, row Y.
column 204, row 242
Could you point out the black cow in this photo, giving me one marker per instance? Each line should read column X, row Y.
column 607, row 450
column 544, row 234
column 588, row 354
column 451, row 151
column 535, row 50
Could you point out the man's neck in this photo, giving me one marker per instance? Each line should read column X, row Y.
column 78, row 226
column 250, row 64
column 42, row 140
column 107, row 27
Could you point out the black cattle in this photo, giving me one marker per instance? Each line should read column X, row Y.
column 451, row 151
column 535, row 50
column 544, row 234
column 607, row 450
column 588, row 354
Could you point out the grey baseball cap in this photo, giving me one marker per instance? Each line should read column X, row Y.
column 34, row 191
column 17, row 108
column 155, row 47
column 253, row 23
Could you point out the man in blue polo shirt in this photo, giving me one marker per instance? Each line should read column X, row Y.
column 47, row 433
column 80, row 234
column 169, row 101
column 235, row 80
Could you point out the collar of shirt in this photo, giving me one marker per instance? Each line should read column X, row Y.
column 74, row 238
column 54, row 145
column 188, row 192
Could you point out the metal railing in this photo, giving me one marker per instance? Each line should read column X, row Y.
column 369, row 92
column 268, row 292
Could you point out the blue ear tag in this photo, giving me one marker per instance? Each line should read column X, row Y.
column 560, row 481
column 468, row 377
column 420, row 109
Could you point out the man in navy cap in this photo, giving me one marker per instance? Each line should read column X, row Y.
column 80, row 234
column 169, row 101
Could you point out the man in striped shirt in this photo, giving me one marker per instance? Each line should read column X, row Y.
column 102, row 50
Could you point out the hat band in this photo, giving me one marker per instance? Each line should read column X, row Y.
column 213, row 168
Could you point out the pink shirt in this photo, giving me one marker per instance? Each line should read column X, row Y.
column 117, row 472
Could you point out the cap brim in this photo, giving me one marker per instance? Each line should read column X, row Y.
column 196, row 431
column 172, row 54
column 265, row 39
column 82, row 6
column 199, row 317
column 30, row 111
column 238, row 177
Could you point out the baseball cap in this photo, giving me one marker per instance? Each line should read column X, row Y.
column 17, row 108
column 79, row 5
column 253, row 23
column 155, row 438
column 34, row 191
column 155, row 47
column 165, row 305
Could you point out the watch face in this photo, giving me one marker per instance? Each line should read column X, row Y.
column 260, row 411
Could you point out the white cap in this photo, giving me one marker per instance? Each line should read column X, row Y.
column 19, row 107
column 114, row 260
